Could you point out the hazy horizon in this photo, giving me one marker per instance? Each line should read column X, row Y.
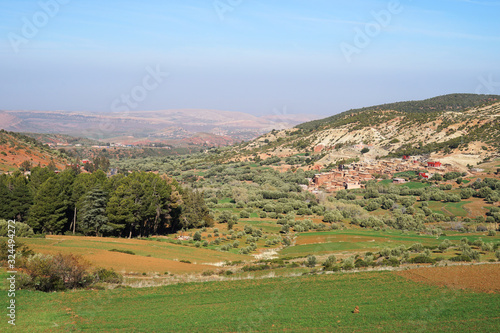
column 298, row 57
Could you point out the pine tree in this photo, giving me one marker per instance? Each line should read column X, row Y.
column 94, row 219
column 195, row 213
column 48, row 213
column 21, row 199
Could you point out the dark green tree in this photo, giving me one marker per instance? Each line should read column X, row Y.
column 48, row 213
column 195, row 213
column 94, row 220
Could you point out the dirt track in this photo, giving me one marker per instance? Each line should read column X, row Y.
column 480, row 278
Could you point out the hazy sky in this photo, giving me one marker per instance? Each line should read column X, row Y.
column 261, row 57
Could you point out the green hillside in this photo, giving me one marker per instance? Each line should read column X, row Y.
column 452, row 102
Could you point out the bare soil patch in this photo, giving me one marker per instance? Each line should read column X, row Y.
column 480, row 278
column 476, row 208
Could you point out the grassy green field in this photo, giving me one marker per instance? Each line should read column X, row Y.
column 415, row 185
column 449, row 208
column 411, row 185
column 324, row 303
column 361, row 240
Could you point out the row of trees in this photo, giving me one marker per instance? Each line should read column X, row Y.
column 137, row 204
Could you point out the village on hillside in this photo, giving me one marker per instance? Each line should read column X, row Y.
column 354, row 175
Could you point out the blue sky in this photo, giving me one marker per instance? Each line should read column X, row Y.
column 244, row 55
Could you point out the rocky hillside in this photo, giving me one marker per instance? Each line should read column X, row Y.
column 459, row 128
column 20, row 151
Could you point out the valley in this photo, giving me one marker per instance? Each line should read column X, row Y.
column 337, row 215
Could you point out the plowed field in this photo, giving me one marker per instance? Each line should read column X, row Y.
column 479, row 278
column 150, row 256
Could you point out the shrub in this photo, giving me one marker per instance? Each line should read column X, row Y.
column 197, row 236
column 351, row 196
column 422, row 259
column 22, row 229
column 107, row 275
column 329, row 263
column 487, row 247
column 332, row 216
column 452, row 198
column 348, row 263
column 311, row 261
column 123, row 251
column 248, row 229
column 360, row 263
column 272, row 215
column 444, row 245
column 466, row 193
column 252, row 268
column 372, row 205
column 478, row 242
column 21, row 250
column 51, row 273
column 492, row 233
column 393, row 261
column 386, row 252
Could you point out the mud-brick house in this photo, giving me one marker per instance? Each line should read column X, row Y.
column 351, row 186
column 399, row 181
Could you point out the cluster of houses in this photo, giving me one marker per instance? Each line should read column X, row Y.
column 353, row 176
column 61, row 144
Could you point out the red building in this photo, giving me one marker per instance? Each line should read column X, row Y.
column 434, row 164
column 424, row 175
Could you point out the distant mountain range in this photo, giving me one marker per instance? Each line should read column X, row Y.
column 149, row 125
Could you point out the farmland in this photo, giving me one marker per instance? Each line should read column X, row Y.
column 219, row 244
column 150, row 256
column 387, row 301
